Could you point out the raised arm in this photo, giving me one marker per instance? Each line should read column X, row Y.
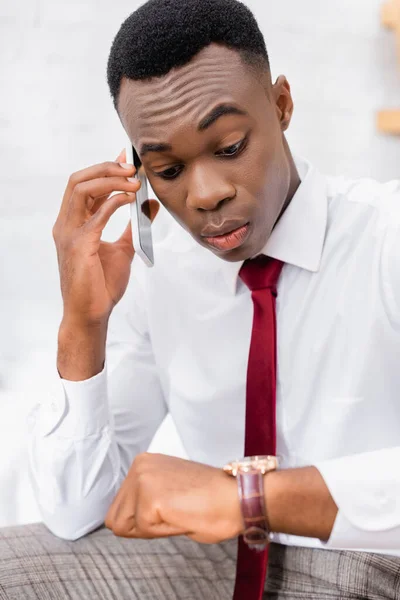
column 105, row 403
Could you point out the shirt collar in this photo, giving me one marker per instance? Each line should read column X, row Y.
column 298, row 238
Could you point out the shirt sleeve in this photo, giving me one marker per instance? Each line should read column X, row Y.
column 83, row 436
column 390, row 259
column 366, row 487
column 366, row 490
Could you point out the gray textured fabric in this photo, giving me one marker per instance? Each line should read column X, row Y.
column 36, row 565
column 310, row 574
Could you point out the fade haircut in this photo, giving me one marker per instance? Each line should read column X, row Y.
column 164, row 34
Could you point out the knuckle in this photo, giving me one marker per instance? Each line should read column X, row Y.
column 73, row 179
column 122, row 199
column 79, row 188
column 108, row 168
column 142, row 521
column 141, row 474
column 54, row 232
column 121, row 525
column 142, row 459
column 142, row 479
column 117, row 529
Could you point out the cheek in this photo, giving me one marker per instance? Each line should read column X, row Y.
column 261, row 163
column 174, row 203
column 170, row 195
column 257, row 174
column 270, row 182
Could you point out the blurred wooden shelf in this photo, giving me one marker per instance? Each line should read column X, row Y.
column 390, row 14
column 388, row 121
column 390, row 18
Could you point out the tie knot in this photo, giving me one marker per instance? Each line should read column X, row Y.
column 261, row 273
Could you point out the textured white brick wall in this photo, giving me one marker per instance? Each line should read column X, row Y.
column 56, row 117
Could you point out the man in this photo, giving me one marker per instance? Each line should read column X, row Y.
column 192, row 86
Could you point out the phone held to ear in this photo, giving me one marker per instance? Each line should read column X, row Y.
column 140, row 211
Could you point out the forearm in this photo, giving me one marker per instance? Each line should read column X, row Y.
column 349, row 502
column 81, row 351
column 299, row 503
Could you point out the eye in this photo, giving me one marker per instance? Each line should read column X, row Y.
column 171, row 173
column 228, row 152
column 232, row 150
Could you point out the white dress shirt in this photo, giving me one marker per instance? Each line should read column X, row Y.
column 179, row 340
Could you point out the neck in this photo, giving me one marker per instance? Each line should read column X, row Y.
column 295, row 180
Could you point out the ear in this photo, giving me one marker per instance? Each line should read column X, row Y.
column 283, row 101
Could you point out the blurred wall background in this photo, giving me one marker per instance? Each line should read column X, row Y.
column 56, row 117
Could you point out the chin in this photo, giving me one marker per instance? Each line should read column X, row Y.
column 237, row 255
column 249, row 248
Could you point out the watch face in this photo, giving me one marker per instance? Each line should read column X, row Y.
column 250, row 463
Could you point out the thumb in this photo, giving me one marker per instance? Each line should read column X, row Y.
column 126, row 239
column 121, row 156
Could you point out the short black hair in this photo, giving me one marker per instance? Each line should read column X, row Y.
column 163, row 34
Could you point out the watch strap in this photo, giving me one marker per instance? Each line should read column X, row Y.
column 252, row 501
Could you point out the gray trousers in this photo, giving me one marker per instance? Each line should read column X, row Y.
column 36, row 565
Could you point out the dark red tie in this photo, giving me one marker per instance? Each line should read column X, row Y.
column 261, row 276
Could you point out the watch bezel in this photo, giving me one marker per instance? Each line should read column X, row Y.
column 261, row 463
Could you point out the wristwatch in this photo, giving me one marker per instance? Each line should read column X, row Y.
column 249, row 472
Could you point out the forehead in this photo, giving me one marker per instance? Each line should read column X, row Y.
column 186, row 94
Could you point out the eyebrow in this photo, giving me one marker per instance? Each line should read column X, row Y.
column 216, row 113
column 145, row 148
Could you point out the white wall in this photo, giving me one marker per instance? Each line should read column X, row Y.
column 56, row 117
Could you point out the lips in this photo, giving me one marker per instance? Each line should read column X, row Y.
column 230, row 240
column 224, row 228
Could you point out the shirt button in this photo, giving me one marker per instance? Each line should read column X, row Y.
column 53, row 406
column 33, row 415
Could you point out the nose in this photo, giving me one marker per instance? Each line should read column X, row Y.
column 208, row 189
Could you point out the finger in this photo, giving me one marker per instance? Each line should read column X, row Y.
column 125, row 242
column 121, row 156
column 160, row 530
column 149, row 523
column 100, row 219
column 126, row 238
column 106, row 169
column 116, row 518
column 99, row 202
column 87, row 193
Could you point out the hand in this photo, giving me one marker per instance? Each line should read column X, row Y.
column 165, row 496
column 94, row 274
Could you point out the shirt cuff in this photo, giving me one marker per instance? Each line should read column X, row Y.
column 345, row 536
column 73, row 409
column 366, row 490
